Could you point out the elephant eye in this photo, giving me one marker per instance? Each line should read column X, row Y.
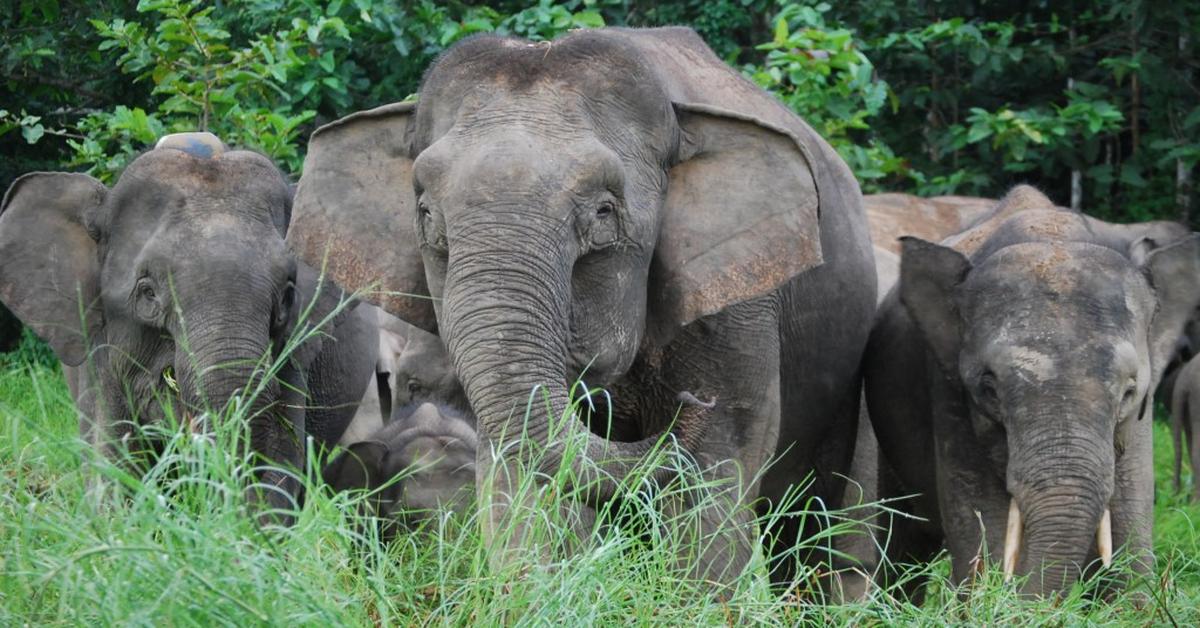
column 414, row 387
column 1128, row 397
column 145, row 300
column 987, row 388
column 605, row 209
column 422, row 208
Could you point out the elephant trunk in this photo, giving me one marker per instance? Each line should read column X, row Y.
column 505, row 321
column 1062, row 481
column 226, row 358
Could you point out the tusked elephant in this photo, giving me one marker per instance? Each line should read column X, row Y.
column 431, row 448
column 1020, row 355
column 172, row 290
column 617, row 205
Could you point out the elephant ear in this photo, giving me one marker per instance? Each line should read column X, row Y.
column 354, row 212
column 1174, row 271
column 49, row 268
column 740, row 216
column 360, row 466
column 929, row 277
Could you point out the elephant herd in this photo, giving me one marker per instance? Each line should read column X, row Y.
column 622, row 208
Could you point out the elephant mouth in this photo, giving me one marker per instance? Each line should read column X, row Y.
column 192, row 421
column 1014, row 532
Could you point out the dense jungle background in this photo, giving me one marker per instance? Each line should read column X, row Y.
column 1097, row 103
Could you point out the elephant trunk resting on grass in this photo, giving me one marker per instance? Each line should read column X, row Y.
column 173, row 291
column 1022, row 353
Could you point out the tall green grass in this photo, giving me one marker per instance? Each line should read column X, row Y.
column 175, row 547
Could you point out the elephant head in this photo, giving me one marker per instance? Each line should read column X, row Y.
column 1051, row 342
column 555, row 209
column 423, row 372
column 432, row 448
column 170, row 289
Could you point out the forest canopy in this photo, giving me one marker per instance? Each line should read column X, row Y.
column 1097, row 102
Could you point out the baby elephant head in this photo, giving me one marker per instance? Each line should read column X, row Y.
column 417, row 465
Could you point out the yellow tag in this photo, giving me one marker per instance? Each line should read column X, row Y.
column 168, row 376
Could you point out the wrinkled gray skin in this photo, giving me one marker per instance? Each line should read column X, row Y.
column 621, row 202
column 433, row 450
column 1022, row 353
column 181, row 268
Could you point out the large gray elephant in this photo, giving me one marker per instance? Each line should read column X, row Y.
column 1021, row 353
column 619, row 205
column 169, row 290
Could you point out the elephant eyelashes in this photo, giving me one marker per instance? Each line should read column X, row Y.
column 145, row 301
column 605, row 209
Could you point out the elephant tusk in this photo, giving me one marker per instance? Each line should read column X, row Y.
column 1012, row 540
column 1104, row 538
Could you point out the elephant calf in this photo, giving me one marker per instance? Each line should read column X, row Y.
column 1021, row 354
column 433, row 449
column 413, row 367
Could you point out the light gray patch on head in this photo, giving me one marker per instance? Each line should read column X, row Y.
column 203, row 145
column 1033, row 365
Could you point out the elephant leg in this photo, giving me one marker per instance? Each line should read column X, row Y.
column 972, row 497
column 1192, row 437
column 709, row 519
column 1177, row 441
column 857, row 550
column 906, row 542
column 817, row 461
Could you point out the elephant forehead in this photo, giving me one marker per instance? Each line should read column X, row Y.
column 596, row 61
column 1055, row 275
column 193, row 191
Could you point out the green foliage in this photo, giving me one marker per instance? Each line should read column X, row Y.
column 948, row 97
column 29, row 351
column 823, row 74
